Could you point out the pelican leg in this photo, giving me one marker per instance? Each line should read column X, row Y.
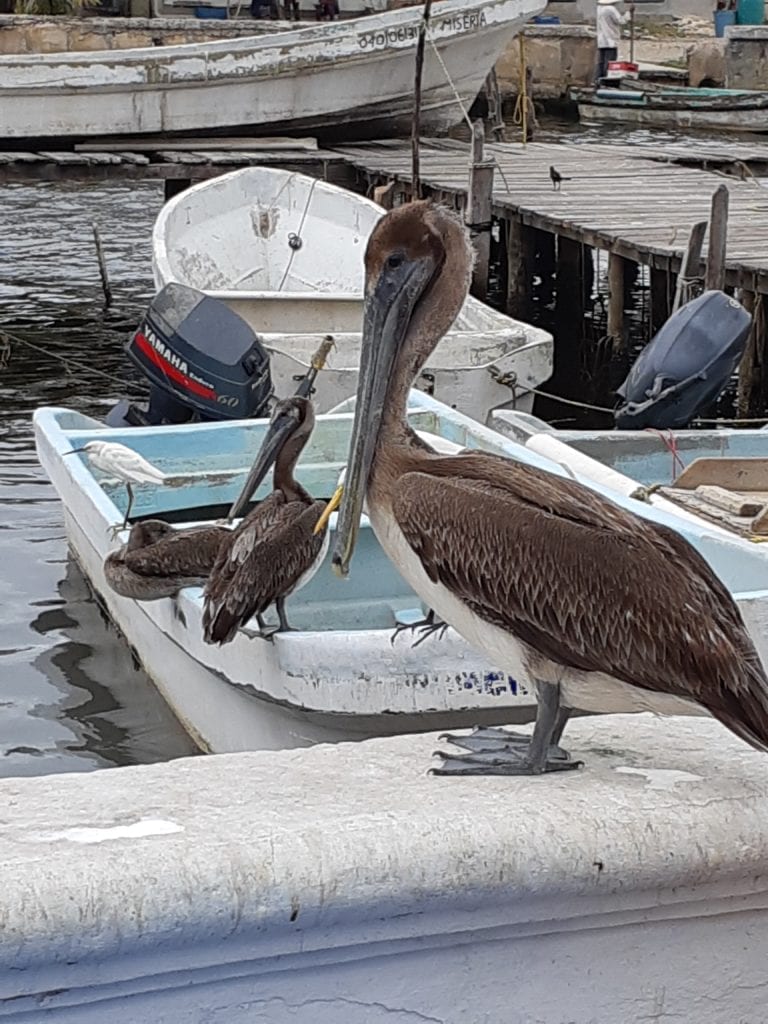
column 497, row 752
column 283, row 627
column 129, row 489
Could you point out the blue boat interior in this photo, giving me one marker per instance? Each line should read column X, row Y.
column 210, row 463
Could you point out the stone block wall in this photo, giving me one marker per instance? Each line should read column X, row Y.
column 559, row 56
column 746, row 57
column 28, row 34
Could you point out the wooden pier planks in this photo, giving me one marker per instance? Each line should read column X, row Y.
column 638, row 207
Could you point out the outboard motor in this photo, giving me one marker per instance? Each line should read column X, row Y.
column 686, row 365
column 202, row 360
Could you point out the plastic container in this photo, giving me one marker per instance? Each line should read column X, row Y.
column 622, row 69
column 750, row 12
column 722, row 19
column 211, row 12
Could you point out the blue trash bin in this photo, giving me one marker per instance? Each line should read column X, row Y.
column 723, row 18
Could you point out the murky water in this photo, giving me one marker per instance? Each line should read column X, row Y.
column 70, row 697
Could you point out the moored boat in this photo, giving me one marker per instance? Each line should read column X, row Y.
column 338, row 676
column 675, row 107
column 285, row 252
column 354, row 75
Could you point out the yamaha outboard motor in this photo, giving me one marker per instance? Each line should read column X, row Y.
column 202, row 360
column 686, row 364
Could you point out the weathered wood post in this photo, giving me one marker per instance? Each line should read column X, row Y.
column 521, row 257
column 616, row 268
column 718, row 231
column 751, row 365
column 569, row 319
column 689, row 268
column 660, row 299
column 478, row 211
column 103, row 273
column 384, row 195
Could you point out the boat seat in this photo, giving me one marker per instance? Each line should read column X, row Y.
column 732, row 492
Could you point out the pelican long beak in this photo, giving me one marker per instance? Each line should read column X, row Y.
column 330, row 508
column 278, row 432
column 387, row 315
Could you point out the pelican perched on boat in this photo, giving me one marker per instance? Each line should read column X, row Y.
column 601, row 609
column 158, row 561
column 275, row 550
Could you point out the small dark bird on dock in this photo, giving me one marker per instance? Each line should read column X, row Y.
column 557, row 178
column 275, row 549
column 158, row 561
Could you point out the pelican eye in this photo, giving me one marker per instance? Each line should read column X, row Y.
column 395, row 260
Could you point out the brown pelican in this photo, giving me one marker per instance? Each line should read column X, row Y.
column 157, row 560
column 274, row 551
column 602, row 609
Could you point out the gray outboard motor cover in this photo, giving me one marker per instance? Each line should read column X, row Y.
column 686, row 364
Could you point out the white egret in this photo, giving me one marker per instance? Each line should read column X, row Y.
column 124, row 464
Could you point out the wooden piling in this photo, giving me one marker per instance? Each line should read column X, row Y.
column 660, row 298
column 384, row 195
column 175, row 185
column 103, row 273
column 520, row 262
column 569, row 319
column 718, row 230
column 752, row 381
column 616, row 273
column 689, row 268
column 477, row 216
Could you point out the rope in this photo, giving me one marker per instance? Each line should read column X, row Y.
column 448, row 78
column 298, row 232
column 7, row 340
column 609, row 412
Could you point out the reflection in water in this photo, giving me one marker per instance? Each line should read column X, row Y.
column 71, row 698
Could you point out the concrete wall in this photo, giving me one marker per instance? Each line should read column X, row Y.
column 28, row 34
column 559, row 56
column 746, row 57
column 575, row 11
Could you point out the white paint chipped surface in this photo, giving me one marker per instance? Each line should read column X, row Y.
column 344, row 885
column 138, row 830
column 316, row 74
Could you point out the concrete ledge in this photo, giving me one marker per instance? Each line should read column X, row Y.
column 746, row 57
column 342, row 884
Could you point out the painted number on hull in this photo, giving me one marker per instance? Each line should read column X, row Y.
column 389, row 37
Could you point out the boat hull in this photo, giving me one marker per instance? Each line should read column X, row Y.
column 330, row 76
column 725, row 120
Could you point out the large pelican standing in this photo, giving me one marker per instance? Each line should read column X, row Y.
column 603, row 610
column 275, row 550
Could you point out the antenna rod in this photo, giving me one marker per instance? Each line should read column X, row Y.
column 420, row 44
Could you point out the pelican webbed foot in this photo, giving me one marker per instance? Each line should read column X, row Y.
column 501, row 752
column 427, row 626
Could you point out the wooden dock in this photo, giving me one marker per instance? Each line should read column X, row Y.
column 637, row 207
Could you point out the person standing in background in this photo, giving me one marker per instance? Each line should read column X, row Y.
column 609, row 23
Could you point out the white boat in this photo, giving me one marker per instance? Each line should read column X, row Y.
column 339, row 677
column 716, row 479
column 285, row 252
column 357, row 72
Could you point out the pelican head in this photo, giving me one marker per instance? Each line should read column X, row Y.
column 290, row 425
column 147, row 532
column 417, row 271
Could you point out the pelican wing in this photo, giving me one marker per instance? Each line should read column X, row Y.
column 583, row 582
column 190, row 553
column 267, row 556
